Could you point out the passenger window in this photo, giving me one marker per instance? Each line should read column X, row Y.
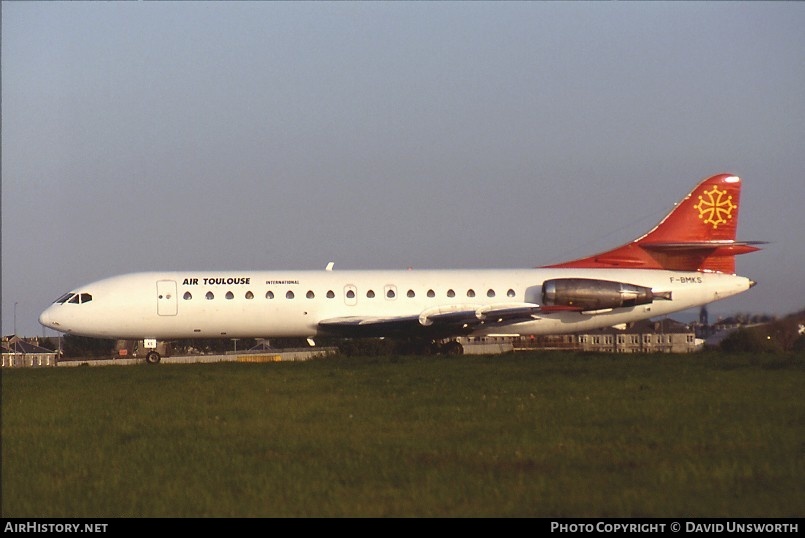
column 350, row 294
column 511, row 293
column 330, row 294
column 390, row 294
column 289, row 295
column 431, row 293
column 249, row 295
column 490, row 293
column 187, row 296
column 210, row 296
column 411, row 293
column 370, row 294
column 451, row 293
column 230, row 295
column 310, row 295
column 269, row 295
column 470, row 293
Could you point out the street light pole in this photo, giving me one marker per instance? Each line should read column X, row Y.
column 15, row 328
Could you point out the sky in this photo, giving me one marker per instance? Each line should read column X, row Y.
column 380, row 135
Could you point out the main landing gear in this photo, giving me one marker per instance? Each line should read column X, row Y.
column 152, row 357
column 436, row 347
column 452, row 348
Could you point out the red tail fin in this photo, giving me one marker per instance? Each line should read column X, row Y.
column 697, row 235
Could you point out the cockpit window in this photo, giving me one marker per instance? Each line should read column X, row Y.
column 73, row 299
column 79, row 298
column 85, row 298
column 63, row 298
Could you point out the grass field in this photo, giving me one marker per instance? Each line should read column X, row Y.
column 533, row 435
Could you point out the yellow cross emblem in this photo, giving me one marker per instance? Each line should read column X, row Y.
column 716, row 208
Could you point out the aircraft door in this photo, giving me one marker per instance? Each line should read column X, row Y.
column 167, row 303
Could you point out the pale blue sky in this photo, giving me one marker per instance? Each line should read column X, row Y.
column 261, row 135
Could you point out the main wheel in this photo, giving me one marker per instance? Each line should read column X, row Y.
column 453, row 348
column 152, row 357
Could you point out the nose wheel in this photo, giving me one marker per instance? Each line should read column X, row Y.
column 152, row 357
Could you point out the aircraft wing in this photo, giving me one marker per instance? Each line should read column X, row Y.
column 356, row 326
column 437, row 322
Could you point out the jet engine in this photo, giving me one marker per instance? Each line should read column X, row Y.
column 592, row 294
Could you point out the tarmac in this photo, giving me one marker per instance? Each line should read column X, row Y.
column 298, row 354
column 279, row 356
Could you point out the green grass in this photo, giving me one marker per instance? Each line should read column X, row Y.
column 545, row 435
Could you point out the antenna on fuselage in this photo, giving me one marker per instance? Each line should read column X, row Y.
column 329, row 266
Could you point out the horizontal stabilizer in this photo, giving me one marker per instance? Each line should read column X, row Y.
column 713, row 248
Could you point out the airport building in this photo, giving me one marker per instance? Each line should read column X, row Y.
column 18, row 352
column 664, row 336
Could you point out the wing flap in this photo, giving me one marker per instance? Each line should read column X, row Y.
column 439, row 326
column 509, row 313
column 441, row 321
column 365, row 327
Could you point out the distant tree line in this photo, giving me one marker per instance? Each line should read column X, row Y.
column 780, row 336
column 81, row 346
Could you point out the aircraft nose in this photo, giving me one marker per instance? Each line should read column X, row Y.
column 46, row 319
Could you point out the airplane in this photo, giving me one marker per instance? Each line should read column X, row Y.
column 685, row 261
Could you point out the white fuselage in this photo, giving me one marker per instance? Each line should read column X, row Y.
column 243, row 304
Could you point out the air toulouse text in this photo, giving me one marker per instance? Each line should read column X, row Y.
column 216, row 280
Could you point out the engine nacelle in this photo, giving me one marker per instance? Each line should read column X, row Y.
column 592, row 294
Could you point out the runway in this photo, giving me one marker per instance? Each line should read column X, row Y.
column 280, row 356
